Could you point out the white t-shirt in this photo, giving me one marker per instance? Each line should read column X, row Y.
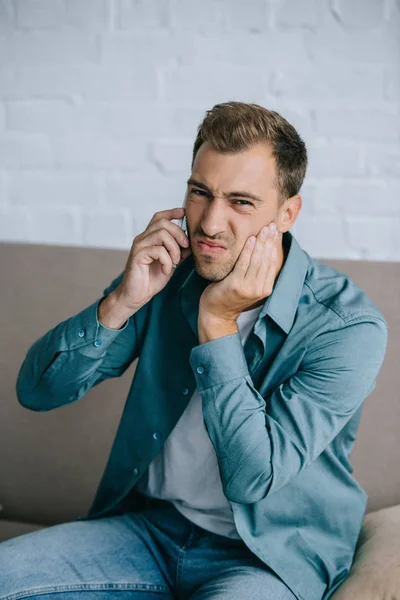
column 186, row 470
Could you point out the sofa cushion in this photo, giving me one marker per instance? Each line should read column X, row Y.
column 375, row 573
column 10, row 529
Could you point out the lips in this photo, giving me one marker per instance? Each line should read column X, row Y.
column 212, row 244
column 207, row 250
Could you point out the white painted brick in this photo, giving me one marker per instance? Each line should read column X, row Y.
column 358, row 14
column 15, row 226
column 46, row 48
column 383, row 159
column 46, row 116
column 33, row 14
column 6, row 15
column 171, row 157
column 138, row 14
column 307, row 192
column 134, row 84
column 334, row 45
column 127, row 48
column 369, row 124
column 55, row 226
column 330, row 159
column 375, row 238
column 392, row 82
column 103, row 99
column 145, row 194
column 100, row 151
column 88, row 15
column 106, row 228
column 323, row 236
column 392, row 14
column 242, row 17
column 294, row 14
column 192, row 17
column 53, row 189
column 179, row 122
column 365, row 197
column 219, row 83
column 350, row 84
column 267, row 52
column 3, row 191
column 125, row 120
column 23, row 151
column 59, row 116
column 2, row 117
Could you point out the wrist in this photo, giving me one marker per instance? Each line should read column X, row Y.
column 111, row 313
column 211, row 328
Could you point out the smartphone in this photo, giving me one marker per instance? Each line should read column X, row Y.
column 182, row 223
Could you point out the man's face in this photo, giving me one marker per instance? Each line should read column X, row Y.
column 217, row 210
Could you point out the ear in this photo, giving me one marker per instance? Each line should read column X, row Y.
column 290, row 210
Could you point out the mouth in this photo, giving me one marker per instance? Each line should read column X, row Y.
column 208, row 249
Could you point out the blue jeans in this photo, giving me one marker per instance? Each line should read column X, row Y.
column 153, row 554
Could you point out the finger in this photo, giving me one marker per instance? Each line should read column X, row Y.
column 258, row 256
column 162, row 238
column 176, row 232
column 172, row 213
column 243, row 261
column 268, row 269
column 270, row 278
column 157, row 253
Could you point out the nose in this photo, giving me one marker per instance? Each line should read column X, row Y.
column 213, row 220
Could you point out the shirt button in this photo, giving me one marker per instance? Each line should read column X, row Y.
column 81, row 332
column 136, row 472
column 185, row 391
column 98, row 343
column 156, row 435
column 200, row 369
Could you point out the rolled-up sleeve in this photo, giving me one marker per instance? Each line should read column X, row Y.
column 262, row 443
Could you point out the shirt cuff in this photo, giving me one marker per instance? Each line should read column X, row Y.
column 218, row 360
column 86, row 334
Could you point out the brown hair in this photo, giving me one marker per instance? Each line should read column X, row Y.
column 236, row 126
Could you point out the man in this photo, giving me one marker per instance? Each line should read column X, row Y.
column 229, row 476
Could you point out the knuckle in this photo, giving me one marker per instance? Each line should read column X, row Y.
column 236, row 288
column 268, row 291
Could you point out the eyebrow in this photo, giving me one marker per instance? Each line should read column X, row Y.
column 256, row 199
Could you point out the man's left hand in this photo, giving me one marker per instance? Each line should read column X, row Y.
column 251, row 280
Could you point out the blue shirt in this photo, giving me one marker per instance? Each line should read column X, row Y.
column 281, row 411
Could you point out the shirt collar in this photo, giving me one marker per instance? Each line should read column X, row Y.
column 280, row 306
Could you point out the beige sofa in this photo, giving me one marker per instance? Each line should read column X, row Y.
column 52, row 461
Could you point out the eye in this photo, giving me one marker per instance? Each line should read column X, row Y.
column 197, row 192
column 245, row 201
column 200, row 192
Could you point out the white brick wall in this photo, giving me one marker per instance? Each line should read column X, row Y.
column 100, row 101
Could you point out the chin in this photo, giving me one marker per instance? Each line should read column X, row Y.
column 211, row 272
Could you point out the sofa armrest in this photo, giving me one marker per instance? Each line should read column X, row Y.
column 375, row 573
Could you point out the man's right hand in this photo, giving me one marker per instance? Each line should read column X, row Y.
column 149, row 265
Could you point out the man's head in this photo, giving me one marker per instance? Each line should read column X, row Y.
column 248, row 149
